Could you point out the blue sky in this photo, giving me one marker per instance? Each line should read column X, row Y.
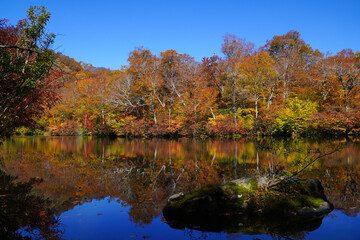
column 103, row 32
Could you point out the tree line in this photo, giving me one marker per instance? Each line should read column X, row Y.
column 282, row 88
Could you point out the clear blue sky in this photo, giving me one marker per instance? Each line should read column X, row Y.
column 103, row 32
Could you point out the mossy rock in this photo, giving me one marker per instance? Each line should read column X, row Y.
column 248, row 198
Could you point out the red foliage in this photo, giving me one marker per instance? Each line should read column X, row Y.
column 134, row 127
column 225, row 127
column 89, row 123
column 27, row 84
column 67, row 128
column 105, row 130
column 334, row 120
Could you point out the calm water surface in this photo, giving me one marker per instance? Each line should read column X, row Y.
column 90, row 188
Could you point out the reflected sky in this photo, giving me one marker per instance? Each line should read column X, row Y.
column 91, row 188
column 108, row 219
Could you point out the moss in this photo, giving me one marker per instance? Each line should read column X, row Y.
column 236, row 196
column 236, row 189
column 194, row 194
column 251, row 184
column 272, row 201
column 312, row 201
column 309, row 191
column 245, row 196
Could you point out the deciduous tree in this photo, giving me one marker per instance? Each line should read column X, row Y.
column 346, row 68
column 292, row 58
column 27, row 78
column 234, row 49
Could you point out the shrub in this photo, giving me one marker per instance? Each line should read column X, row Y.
column 133, row 127
column 333, row 120
column 293, row 119
column 164, row 128
column 67, row 128
column 88, row 123
column 24, row 131
column 224, row 126
column 246, row 117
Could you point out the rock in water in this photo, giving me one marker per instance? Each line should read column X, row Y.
column 246, row 199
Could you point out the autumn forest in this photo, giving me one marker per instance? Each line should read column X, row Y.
column 282, row 88
column 270, row 134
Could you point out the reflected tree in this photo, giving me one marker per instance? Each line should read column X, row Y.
column 144, row 173
column 24, row 215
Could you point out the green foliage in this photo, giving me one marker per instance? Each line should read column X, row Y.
column 26, row 131
column 293, row 119
column 246, row 117
column 25, row 70
column 33, row 37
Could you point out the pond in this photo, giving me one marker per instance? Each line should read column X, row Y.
column 92, row 188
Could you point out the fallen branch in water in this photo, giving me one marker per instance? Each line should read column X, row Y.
column 287, row 178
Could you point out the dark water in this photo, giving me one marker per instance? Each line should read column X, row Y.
column 89, row 188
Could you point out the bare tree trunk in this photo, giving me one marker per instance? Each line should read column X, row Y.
column 154, row 113
column 256, row 106
column 286, row 92
column 271, row 94
column 169, row 113
column 102, row 114
column 347, row 101
column 212, row 112
column 234, row 104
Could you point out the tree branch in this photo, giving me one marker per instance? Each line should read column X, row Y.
column 306, row 166
column 21, row 48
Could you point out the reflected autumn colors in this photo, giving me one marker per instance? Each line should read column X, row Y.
column 52, row 175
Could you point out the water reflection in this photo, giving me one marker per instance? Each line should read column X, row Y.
column 63, row 172
column 20, row 209
column 250, row 225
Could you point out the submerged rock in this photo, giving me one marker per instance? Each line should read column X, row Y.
column 243, row 202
